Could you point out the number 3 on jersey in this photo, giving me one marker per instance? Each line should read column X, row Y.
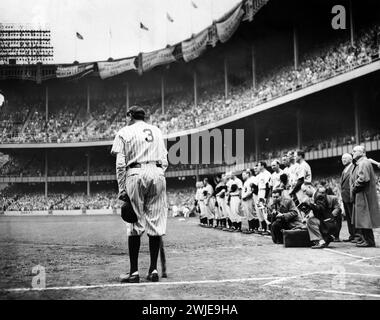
column 149, row 135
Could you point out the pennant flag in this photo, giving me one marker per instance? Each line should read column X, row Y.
column 169, row 17
column 79, row 36
column 194, row 5
column 143, row 27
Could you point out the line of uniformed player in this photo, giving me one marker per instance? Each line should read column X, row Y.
column 233, row 199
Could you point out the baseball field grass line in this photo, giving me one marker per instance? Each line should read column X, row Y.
column 371, row 295
column 116, row 285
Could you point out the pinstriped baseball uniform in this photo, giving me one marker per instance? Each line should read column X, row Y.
column 143, row 143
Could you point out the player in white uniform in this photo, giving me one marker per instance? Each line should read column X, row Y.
column 275, row 181
column 199, row 200
column 234, row 187
column 293, row 168
column 247, row 199
column 303, row 174
column 141, row 160
column 285, row 181
column 221, row 197
column 263, row 179
column 209, row 202
column 220, row 192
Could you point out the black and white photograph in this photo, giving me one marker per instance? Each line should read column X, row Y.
column 203, row 151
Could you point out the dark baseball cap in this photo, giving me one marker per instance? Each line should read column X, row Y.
column 136, row 112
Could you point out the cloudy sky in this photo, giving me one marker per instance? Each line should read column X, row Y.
column 111, row 27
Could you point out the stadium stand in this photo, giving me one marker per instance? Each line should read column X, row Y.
column 70, row 119
column 70, row 123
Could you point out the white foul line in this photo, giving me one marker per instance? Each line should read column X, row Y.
column 280, row 279
column 343, row 253
column 332, row 291
column 357, row 262
column 118, row 285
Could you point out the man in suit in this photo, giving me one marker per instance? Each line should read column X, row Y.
column 346, row 195
column 283, row 216
column 366, row 212
column 321, row 219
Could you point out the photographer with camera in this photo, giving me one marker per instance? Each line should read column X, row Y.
column 283, row 215
column 322, row 211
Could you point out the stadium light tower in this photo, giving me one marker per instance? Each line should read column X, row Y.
column 24, row 44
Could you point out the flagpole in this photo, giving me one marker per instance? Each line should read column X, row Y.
column 76, row 47
column 109, row 43
column 212, row 9
column 191, row 20
column 166, row 21
column 140, row 30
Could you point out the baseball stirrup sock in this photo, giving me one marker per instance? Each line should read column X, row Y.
column 154, row 247
column 134, row 248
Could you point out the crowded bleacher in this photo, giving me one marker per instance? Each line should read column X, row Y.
column 25, row 121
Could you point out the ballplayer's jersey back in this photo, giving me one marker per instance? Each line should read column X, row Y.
column 141, row 143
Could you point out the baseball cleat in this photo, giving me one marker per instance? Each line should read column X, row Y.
column 127, row 278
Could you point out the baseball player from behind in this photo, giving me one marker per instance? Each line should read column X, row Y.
column 141, row 160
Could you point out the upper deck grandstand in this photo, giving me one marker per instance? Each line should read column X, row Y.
column 239, row 75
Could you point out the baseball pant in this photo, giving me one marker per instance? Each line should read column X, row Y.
column 146, row 188
column 248, row 208
column 202, row 209
column 224, row 210
column 210, row 208
column 234, row 209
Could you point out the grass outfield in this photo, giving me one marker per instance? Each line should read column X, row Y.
column 84, row 255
